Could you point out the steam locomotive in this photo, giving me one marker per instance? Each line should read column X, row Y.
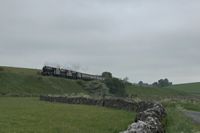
column 53, row 71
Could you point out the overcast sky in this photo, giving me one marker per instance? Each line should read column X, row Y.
column 141, row 39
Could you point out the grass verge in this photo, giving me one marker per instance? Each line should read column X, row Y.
column 177, row 121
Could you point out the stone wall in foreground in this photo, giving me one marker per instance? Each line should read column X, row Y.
column 148, row 119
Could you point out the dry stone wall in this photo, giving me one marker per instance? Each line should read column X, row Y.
column 112, row 103
column 148, row 119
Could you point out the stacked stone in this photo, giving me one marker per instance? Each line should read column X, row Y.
column 107, row 102
column 120, row 104
column 149, row 119
column 72, row 100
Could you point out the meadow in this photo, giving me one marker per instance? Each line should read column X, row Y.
column 192, row 89
column 25, row 82
column 152, row 93
column 177, row 121
column 29, row 82
column 29, row 115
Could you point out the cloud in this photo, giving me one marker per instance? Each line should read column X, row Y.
column 141, row 39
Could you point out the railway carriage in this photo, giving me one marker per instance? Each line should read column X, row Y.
column 53, row 71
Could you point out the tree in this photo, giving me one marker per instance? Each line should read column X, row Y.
column 96, row 88
column 115, row 86
column 162, row 83
column 125, row 80
column 107, row 74
column 155, row 84
column 1, row 69
column 140, row 83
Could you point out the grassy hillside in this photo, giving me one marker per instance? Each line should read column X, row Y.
column 152, row 92
column 177, row 122
column 29, row 81
column 23, row 81
column 29, row 115
column 23, row 114
column 189, row 88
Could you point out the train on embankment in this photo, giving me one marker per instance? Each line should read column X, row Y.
column 70, row 74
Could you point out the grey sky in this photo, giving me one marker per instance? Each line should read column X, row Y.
column 142, row 39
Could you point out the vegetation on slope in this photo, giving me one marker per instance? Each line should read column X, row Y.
column 20, row 81
column 150, row 93
column 190, row 88
column 26, row 82
column 23, row 81
column 177, row 121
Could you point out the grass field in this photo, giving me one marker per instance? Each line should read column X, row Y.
column 29, row 115
column 152, row 92
column 192, row 89
column 21, row 81
column 22, row 115
column 176, row 99
column 177, row 122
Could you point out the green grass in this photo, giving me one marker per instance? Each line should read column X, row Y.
column 25, row 71
column 189, row 88
column 152, row 92
column 21, row 81
column 176, row 120
column 24, row 81
column 191, row 106
column 29, row 115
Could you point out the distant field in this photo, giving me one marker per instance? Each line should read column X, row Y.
column 152, row 92
column 29, row 115
column 189, row 88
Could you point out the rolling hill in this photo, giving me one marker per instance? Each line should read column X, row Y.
column 24, row 81
column 29, row 82
column 192, row 89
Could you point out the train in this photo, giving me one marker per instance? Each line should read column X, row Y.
column 65, row 73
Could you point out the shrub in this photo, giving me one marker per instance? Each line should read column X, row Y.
column 1, row 69
column 81, row 83
column 115, row 86
column 107, row 74
column 96, row 88
column 39, row 78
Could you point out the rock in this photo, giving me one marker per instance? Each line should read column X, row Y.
column 106, row 102
column 139, row 127
column 149, row 120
